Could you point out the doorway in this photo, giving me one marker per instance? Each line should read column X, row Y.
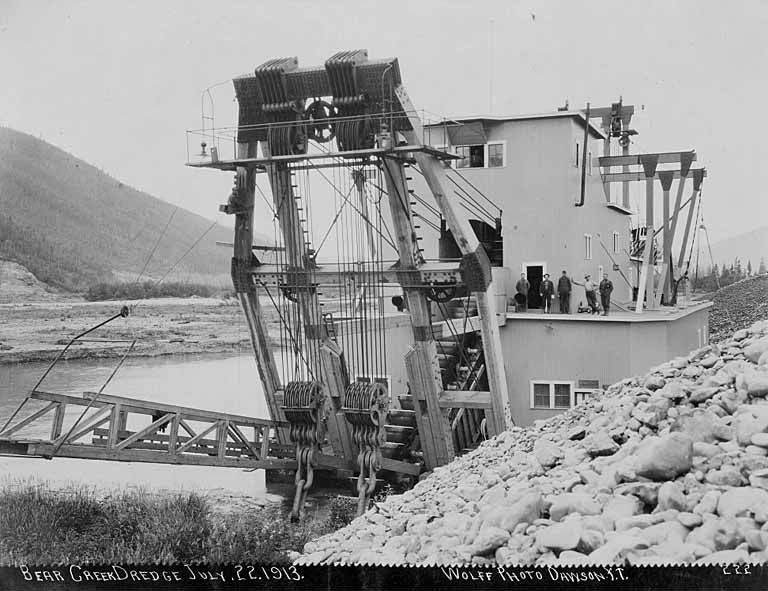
column 534, row 273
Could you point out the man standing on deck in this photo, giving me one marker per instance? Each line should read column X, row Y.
column 606, row 287
column 547, row 291
column 564, row 292
column 522, row 288
column 589, row 290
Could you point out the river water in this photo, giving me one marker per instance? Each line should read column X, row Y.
column 224, row 383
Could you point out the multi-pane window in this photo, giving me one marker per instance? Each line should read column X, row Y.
column 540, row 395
column 551, row 395
column 495, row 155
column 481, row 156
column 562, row 395
column 588, row 247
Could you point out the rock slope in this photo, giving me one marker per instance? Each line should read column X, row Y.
column 738, row 305
column 667, row 468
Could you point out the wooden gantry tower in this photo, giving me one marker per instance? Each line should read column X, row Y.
column 350, row 112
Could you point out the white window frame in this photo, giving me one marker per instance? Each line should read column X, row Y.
column 584, row 392
column 616, row 242
column 486, row 153
column 587, row 247
column 503, row 144
column 551, row 384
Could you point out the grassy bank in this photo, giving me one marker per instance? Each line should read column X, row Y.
column 39, row 525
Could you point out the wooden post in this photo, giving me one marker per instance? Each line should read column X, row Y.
column 315, row 330
column 473, row 253
column 665, row 177
column 114, row 426
column 242, row 204
column 649, row 163
column 58, row 421
column 421, row 361
column 625, row 184
column 173, row 435
column 686, row 159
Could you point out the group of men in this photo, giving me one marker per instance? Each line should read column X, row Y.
column 564, row 288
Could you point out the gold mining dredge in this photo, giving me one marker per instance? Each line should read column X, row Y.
column 358, row 387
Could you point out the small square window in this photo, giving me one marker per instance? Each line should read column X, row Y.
column 562, row 395
column 540, row 395
column 495, row 155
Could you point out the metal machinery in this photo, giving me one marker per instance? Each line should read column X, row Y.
column 348, row 122
column 352, row 118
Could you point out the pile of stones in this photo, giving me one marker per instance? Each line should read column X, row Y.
column 738, row 305
column 668, row 468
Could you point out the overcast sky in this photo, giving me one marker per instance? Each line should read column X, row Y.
column 118, row 83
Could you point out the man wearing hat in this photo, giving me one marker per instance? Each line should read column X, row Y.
column 589, row 289
column 546, row 291
column 606, row 288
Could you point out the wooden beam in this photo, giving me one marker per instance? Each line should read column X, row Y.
column 31, row 418
column 400, row 466
column 468, row 243
column 268, row 160
column 146, row 431
column 95, row 420
column 243, row 200
column 620, row 177
column 664, row 288
column 465, row 399
column 193, row 440
column 137, row 406
column 634, row 159
column 421, row 361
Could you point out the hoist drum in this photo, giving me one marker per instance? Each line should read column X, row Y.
column 366, row 403
column 302, row 401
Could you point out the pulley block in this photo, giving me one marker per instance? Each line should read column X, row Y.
column 305, row 406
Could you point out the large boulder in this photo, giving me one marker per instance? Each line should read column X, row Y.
column 664, row 458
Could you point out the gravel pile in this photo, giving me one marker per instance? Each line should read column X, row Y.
column 667, row 468
column 738, row 306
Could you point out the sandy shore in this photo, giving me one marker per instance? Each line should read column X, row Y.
column 35, row 331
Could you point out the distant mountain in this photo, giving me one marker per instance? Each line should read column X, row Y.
column 72, row 225
column 749, row 246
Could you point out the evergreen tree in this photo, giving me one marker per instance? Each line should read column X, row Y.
column 761, row 268
column 749, row 268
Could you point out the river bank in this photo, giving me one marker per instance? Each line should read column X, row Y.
column 37, row 331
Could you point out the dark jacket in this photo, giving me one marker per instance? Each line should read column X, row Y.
column 564, row 284
column 547, row 288
column 522, row 287
column 606, row 287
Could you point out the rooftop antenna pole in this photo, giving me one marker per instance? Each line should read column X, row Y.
column 490, row 67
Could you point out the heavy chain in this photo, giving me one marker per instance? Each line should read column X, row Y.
column 305, row 406
column 365, row 408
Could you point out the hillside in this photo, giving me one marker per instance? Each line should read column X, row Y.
column 749, row 246
column 72, row 225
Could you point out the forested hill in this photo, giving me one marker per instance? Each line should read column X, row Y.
column 72, row 225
